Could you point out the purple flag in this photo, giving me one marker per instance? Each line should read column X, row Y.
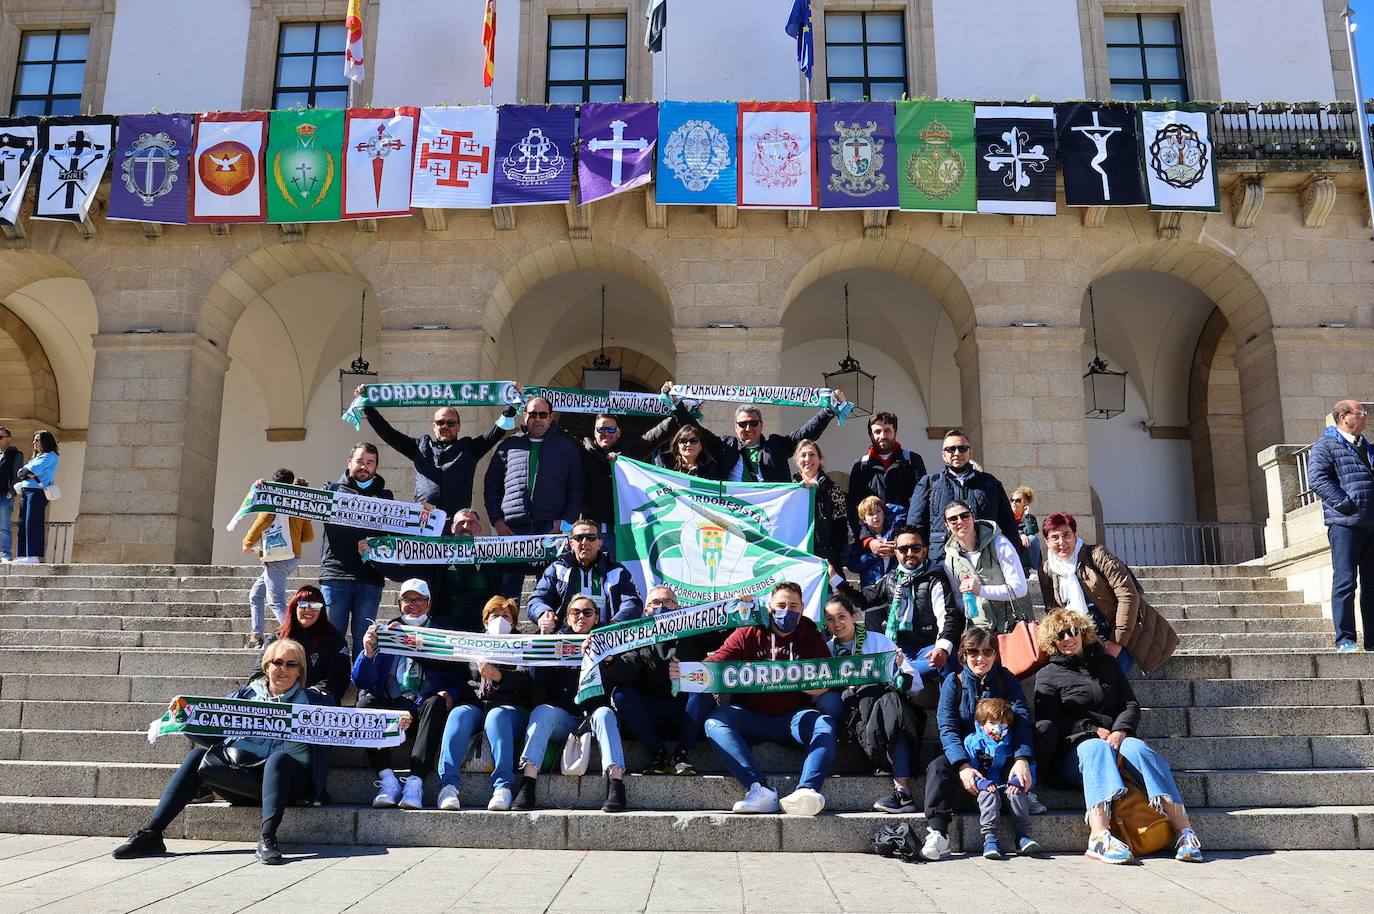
column 534, row 154
column 856, row 149
column 618, row 144
column 150, row 179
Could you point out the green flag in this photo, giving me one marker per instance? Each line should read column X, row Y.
column 936, row 156
column 305, row 165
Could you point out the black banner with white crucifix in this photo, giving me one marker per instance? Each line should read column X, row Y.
column 1100, row 154
column 18, row 142
column 73, row 153
column 1015, row 159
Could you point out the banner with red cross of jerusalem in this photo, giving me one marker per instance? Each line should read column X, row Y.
column 454, row 158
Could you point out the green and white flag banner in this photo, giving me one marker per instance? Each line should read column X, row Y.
column 621, row 637
column 753, row 676
column 464, row 550
column 476, row 647
column 317, row 725
column 433, row 393
column 814, row 397
column 610, row 402
column 712, row 540
column 329, row 506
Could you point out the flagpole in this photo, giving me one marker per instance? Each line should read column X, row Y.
column 1361, row 118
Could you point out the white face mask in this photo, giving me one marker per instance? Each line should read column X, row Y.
column 499, row 625
column 414, row 620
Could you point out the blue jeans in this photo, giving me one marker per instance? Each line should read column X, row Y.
column 549, row 724
column 270, row 588
column 832, row 705
column 344, row 598
column 503, row 724
column 647, row 717
column 732, row 729
column 931, row 675
column 7, row 526
column 1093, row 763
column 33, row 506
column 1352, row 556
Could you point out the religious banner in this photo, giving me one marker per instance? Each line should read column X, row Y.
column 304, row 146
column 72, row 155
column 1100, row 155
column 755, row 676
column 935, row 150
column 712, row 540
column 1179, row 160
column 464, row 550
column 151, row 175
column 856, row 151
column 455, row 155
column 18, row 145
column 617, row 146
column 341, row 506
column 777, row 162
column 1015, row 159
column 427, row 643
column 433, row 393
column 226, row 167
column 534, row 154
column 697, row 165
column 658, row 628
column 378, row 155
column 594, row 402
column 317, row 725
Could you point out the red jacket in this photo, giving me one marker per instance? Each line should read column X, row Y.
column 805, row 642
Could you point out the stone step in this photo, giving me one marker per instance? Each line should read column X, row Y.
column 116, row 687
column 1269, row 665
column 32, row 637
column 1255, row 641
column 1161, row 585
column 1177, row 612
column 1160, row 694
column 131, row 623
column 131, row 661
column 1231, row 626
column 1222, row 597
column 1221, row 828
column 1147, row 572
column 186, row 610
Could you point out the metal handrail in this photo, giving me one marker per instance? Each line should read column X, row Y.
column 1305, row 494
column 1185, row 543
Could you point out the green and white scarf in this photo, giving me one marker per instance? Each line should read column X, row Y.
column 860, row 636
column 610, row 402
column 900, row 615
column 814, row 397
column 339, row 506
column 464, row 550
column 314, row 724
column 474, row 647
column 432, row 393
column 754, row 676
column 622, row 637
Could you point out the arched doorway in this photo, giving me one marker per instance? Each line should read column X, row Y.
column 638, row 373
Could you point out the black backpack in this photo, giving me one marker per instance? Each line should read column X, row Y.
column 897, row 840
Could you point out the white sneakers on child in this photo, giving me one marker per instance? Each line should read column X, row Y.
column 389, row 793
column 448, row 798
column 759, row 799
column 413, row 794
column 803, row 802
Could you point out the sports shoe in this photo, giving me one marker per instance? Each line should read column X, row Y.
column 1108, row 848
column 936, row 846
column 803, row 802
column 448, row 798
column 898, row 801
column 268, row 852
column 254, row 642
column 1347, row 647
column 1189, row 848
column 681, row 765
column 758, row 799
column 142, row 843
column 524, row 795
column 1036, row 807
column 1027, row 846
column 413, row 794
column 991, row 849
column 662, row 763
column 389, row 792
column 500, row 800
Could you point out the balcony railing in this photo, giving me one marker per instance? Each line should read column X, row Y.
column 1284, row 130
column 1203, row 543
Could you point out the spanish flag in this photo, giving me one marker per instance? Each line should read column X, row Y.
column 489, row 43
column 353, row 53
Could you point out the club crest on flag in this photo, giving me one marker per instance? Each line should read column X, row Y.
column 777, row 159
column 149, row 168
column 936, row 169
column 699, row 676
column 226, row 168
column 697, row 152
column 1178, row 156
column 305, row 172
column 534, row 159
column 857, row 157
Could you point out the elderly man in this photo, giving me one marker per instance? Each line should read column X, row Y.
column 752, row 455
column 534, row 484
column 444, row 463
column 584, row 569
column 1341, row 471
column 959, row 479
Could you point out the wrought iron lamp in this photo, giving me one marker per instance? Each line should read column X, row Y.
column 601, row 376
column 359, row 372
column 850, row 377
column 1103, row 389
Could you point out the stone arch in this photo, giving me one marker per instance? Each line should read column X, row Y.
column 28, row 384
column 1215, row 423
column 643, row 370
column 25, row 267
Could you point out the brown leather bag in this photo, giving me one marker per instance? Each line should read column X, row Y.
column 1019, row 650
column 1144, row 829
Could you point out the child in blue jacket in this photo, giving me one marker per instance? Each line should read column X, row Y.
column 990, row 752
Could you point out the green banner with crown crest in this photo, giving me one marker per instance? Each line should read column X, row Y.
column 935, row 157
column 305, row 165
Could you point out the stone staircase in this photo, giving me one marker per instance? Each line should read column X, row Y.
column 1270, row 732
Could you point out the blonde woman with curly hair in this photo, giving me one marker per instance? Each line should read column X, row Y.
column 1086, row 716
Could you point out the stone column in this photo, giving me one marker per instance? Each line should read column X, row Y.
column 148, row 491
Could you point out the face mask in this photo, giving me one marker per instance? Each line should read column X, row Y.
column 498, row 625
column 363, row 485
column 785, row 620
column 997, row 731
column 414, row 620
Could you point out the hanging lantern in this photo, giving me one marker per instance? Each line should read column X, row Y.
column 358, row 372
column 601, row 376
column 1104, row 390
column 857, row 384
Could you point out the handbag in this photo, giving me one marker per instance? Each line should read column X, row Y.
column 233, row 773
column 53, row 492
column 1144, row 829
column 577, row 751
column 1020, row 651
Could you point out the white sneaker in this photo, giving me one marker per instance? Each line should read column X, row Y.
column 413, row 795
column 390, row 790
column 803, row 802
column 936, row 846
column 500, row 800
column 758, row 799
column 448, row 798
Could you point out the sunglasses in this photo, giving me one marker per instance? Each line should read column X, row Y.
column 914, row 548
column 958, row 518
column 689, row 441
column 607, row 430
column 956, row 449
column 311, row 606
column 287, row 664
column 1066, row 633
column 445, row 423
column 988, row 652
column 1014, row 499
column 750, row 423
column 591, row 611
column 584, row 537
column 672, row 603
column 538, row 414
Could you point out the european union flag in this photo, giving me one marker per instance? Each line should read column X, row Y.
column 799, row 27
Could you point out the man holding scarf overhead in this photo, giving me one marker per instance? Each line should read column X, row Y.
column 914, row 605
column 751, row 455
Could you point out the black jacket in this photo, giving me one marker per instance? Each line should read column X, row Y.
column 11, row 459
column 929, row 623
column 984, row 494
column 557, row 686
column 329, row 668
column 777, row 449
column 596, row 467
column 339, row 558
column 894, row 484
column 1078, row 694
column 443, row 470
column 832, row 530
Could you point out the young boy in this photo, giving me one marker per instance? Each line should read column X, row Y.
column 873, row 553
column 990, row 750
